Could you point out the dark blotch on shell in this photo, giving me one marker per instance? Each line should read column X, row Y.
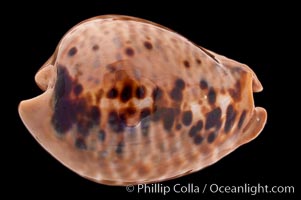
column 72, row 51
column 95, row 47
column 129, row 51
column 198, row 139
column 145, row 113
column 83, row 127
column 63, row 85
column 86, row 117
column 178, row 127
column 126, row 93
column 130, row 111
column 186, row 63
column 211, row 96
column 235, row 93
column 211, row 137
column 140, row 92
column 78, row 89
column 199, row 125
column 213, row 119
column 168, row 118
column 187, row 117
column 69, row 111
column 176, row 94
column 193, row 131
column 95, row 114
column 115, row 122
column 242, row 119
column 112, row 93
column 148, row 45
column 80, row 144
column 179, row 83
column 230, row 118
column 63, row 116
column 157, row 94
column 196, row 128
column 203, row 84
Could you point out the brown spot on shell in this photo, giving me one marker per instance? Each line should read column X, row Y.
column 203, row 84
column 95, row 47
column 178, row 127
column 111, row 68
column 186, row 63
column 72, row 51
column 140, row 92
column 126, row 93
column 78, row 88
column 129, row 51
column 148, row 45
column 112, row 93
column 130, row 110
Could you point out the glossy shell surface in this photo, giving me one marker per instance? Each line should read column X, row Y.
column 127, row 101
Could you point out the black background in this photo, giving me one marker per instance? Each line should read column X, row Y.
column 258, row 35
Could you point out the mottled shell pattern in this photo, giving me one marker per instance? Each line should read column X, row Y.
column 128, row 101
